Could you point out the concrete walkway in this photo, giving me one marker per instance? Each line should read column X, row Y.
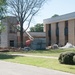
column 28, row 55
column 8, row 68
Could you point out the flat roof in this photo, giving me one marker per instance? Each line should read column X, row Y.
column 60, row 18
column 41, row 34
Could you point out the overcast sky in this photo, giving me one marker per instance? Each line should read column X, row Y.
column 52, row 7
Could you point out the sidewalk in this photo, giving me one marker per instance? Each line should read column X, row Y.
column 28, row 55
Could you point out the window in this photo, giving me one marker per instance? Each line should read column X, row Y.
column 57, row 33
column 49, row 34
column 49, row 31
column 66, row 28
column 11, row 43
column 11, row 29
column 66, row 31
column 0, row 37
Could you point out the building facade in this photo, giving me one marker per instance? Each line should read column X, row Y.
column 39, row 40
column 60, row 30
column 8, row 37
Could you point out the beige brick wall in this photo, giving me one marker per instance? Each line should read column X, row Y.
column 47, row 38
column 5, row 35
column 44, row 29
column 71, row 31
column 53, row 33
column 61, row 33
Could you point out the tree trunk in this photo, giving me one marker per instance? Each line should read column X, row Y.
column 21, row 35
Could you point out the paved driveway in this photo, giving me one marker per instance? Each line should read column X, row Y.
column 7, row 68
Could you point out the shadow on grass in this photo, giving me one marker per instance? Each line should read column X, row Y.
column 38, row 51
column 6, row 56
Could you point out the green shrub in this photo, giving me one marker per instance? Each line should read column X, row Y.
column 67, row 58
column 74, row 59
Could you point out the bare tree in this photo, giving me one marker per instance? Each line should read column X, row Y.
column 24, row 10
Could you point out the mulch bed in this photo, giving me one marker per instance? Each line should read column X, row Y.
column 10, row 49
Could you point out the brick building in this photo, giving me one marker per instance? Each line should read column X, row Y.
column 60, row 29
column 10, row 37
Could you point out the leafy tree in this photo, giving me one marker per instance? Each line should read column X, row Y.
column 37, row 28
column 55, row 15
column 24, row 10
column 32, row 29
column 2, row 8
column 1, row 27
column 2, row 13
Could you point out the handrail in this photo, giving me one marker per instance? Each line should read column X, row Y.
column 30, row 37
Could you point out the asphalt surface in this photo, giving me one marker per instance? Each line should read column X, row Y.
column 8, row 68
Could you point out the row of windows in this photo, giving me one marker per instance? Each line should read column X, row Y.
column 57, row 33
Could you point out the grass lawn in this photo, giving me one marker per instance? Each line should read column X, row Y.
column 51, row 52
column 41, row 62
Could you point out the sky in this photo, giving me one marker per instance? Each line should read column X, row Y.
column 52, row 7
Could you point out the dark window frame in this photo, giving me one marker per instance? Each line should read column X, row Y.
column 66, row 31
column 49, row 34
column 11, row 43
column 57, row 33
